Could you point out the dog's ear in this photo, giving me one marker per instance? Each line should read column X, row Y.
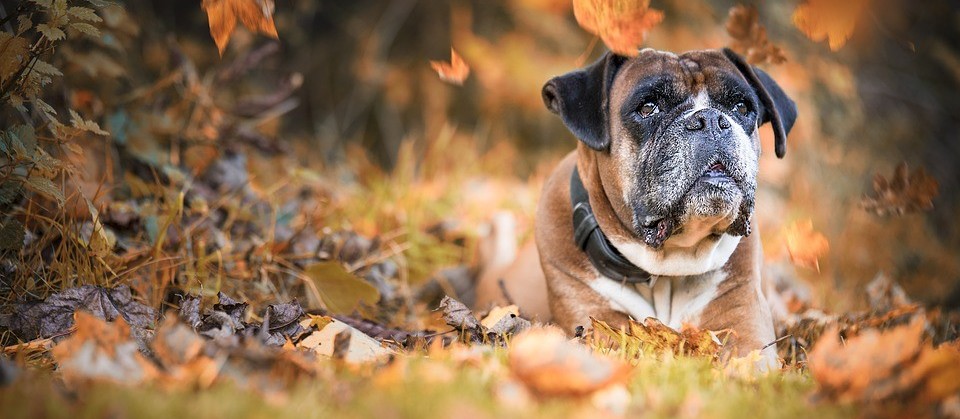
column 778, row 108
column 581, row 99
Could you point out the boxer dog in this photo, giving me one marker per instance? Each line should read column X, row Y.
column 651, row 216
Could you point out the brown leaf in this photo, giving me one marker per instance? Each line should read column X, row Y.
column 621, row 24
column 654, row 336
column 875, row 365
column 750, row 37
column 99, row 350
column 830, row 20
column 256, row 15
column 550, row 365
column 805, row 244
column 454, row 72
column 905, row 192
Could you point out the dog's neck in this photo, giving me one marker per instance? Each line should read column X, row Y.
column 697, row 252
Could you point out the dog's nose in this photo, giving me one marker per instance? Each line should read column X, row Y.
column 706, row 117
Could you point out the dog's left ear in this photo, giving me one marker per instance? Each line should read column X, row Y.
column 778, row 108
column 581, row 99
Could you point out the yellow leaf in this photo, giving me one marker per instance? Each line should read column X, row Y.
column 621, row 24
column 341, row 291
column 256, row 15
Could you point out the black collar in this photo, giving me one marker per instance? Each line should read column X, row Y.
column 590, row 239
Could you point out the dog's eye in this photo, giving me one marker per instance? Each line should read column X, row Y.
column 741, row 108
column 648, row 109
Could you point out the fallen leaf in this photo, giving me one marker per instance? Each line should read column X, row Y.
column 54, row 316
column 357, row 348
column 833, row 21
column 805, row 245
column 497, row 313
column 621, row 24
column 341, row 291
column 550, row 365
column 750, row 37
column 653, row 336
column 885, row 294
column 99, row 350
column 884, row 365
column 454, row 72
column 256, row 15
column 904, row 193
column 458, row 316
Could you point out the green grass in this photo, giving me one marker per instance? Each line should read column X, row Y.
column 437, row 387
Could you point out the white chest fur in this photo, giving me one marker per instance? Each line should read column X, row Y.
column 672, row 300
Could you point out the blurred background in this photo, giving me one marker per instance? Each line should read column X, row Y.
column 347, row 101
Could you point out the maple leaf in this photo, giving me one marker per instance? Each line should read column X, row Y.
column 805, row 245
column 905, row 192
column 875, row 365
column 256, row 15
column 621, row 24
column 750, row 37
column 454, row 72
column 829, row 20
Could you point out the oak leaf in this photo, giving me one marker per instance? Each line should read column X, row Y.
column 454, row 72
column 256, row 15
column 750, row 37
column 830, row 20
column 903, row 193
column 805, row 244
column 621, row 24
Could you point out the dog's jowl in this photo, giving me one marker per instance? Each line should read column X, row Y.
column 652, row 215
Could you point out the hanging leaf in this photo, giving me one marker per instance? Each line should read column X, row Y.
column 341, row 291
column 621, row 24
column 750, row 37
column 256, row 15
column 454, row 72
column 11, row 235
column 14, row 52
column 903, row 193
column 805, row 244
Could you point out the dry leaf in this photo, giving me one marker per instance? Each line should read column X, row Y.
column 905, row 192
column 829, row 20
column 875, row 365
column 99, row 350
column 654, row 336
column 805, row 245
column 550, row 365
column 750, row 37
column 256, row 15
column 621, row 24
column 454, row 72
column 355, row 346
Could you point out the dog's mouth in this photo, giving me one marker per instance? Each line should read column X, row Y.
column 716, row 175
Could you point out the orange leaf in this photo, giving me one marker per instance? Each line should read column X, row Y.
column 256, row 15
column 621, row 24
column 454, row 72
column 829, row 20
column 805, row 244
column 750, row 37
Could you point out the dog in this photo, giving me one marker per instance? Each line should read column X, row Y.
column 652, row 214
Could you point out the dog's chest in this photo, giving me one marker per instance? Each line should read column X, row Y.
column 673, row 300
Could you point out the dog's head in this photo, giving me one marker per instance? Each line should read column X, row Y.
column 678, row 135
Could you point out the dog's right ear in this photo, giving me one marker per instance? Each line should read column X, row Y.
column 581, row 99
